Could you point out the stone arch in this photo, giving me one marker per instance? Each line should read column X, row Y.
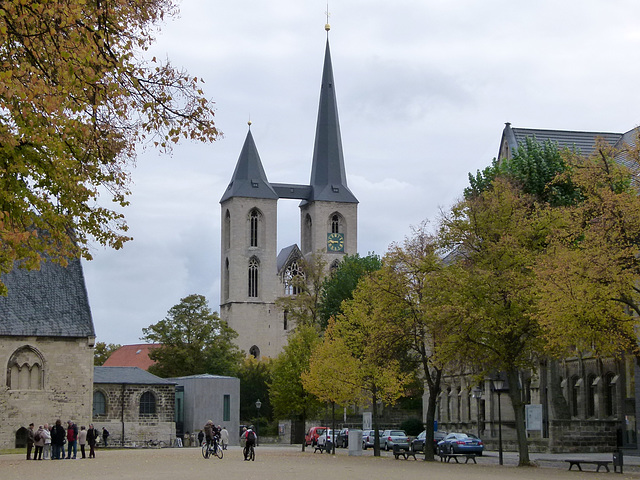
column 254, row 351
column 254, row 277
column 336, row 223
column 99, row 403
column 25, row 369
column 256, row 227
column 147, row 403
column 21, row 437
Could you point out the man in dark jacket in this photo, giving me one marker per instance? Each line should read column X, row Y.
column 57, row 440
column 30, row 441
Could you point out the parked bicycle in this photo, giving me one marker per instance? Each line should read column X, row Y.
column 211, row 450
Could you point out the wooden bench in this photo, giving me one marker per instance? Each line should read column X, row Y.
column 599, row 463
column 446, row 457
column 322, row 448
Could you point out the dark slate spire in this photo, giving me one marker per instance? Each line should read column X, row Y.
column 249, row 179
column 328, row 176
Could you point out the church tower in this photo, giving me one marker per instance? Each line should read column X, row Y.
column 253, row 273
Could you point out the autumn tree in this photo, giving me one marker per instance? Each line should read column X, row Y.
column 193, row 340
column 255, row 376
column 103, row 351
column 353, row 364
column 77, row 96
column 341, row 283
column 496, row 237
column 288, row 397
column 303, row 306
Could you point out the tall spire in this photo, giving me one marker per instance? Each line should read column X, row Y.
column 249, row 179
column 328, row 175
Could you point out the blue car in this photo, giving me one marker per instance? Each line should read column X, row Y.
column 460, row 443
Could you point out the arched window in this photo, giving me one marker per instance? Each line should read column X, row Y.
column 25, row 369
column 574, row 389
column 148, row 403
column 610, row 394
column 227, row 230
column 448, row 404
column 254, row 223
column 99, row 403
column 591, row 396
column 335, row 224
column 334, row 266
column 286, row 320
column 307, row 234
column 293, row 275
column 254, row 268
column 254, row 352
column 226, row 279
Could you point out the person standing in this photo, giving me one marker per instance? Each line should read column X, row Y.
column 200, row 437
column 92, row 436
column 38, row 442
column 82, row 440
column 57, row 440
column 224, row 437
column 30, row 440
column 47, row 442
column 105, row 435
column 72, row 439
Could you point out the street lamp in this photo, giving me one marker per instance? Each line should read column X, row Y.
column 477, row 394
column 258, row 405
column 498, row 386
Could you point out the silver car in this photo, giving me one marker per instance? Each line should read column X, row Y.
column 390, row 438
column 369, row 438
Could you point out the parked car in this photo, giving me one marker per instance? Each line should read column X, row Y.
column 342, row 438
column 417, row 444
column 327, row 436
column 369, row 437
column 312, row 435
column 390, row 438
column 456, row 442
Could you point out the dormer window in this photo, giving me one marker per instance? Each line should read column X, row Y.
column 255, row 184
column 335, row 189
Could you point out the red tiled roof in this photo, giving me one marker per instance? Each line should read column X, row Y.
column 132, row 356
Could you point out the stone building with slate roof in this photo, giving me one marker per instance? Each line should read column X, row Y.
column 46, row 350
column 135, row 406
column 598, row 396
column 253, row 274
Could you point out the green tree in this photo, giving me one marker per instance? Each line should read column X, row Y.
column 255, row 376
column 339, row 286
column 288, row 397
column 77, row 96
column 103, row 351
column 193, row 341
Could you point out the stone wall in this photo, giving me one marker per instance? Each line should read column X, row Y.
column 593, row 436
column 65, row 391
column 126, row 425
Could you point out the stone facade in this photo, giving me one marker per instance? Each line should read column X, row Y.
column 59, row 385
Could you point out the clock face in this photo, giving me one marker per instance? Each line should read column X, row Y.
column 335, row 242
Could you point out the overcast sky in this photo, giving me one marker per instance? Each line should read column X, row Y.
column 424, row 88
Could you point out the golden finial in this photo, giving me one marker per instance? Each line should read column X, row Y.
column 327, row 27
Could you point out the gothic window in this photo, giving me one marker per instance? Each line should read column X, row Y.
column 226, row 279
column 286, row 314
column 334, row 266
column 25, row 370
column 459, row 405
column 227, row 230
column 591, row 396
column 254, row 352
column 448, row 411
column 574, row 387
column 254, row 268
column 335, row 224
column 254, row 224
column 292, row 278
column 99, row 403
column 307, row 237
column 148, row 403
column 610, row 394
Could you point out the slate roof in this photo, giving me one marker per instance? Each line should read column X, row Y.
column 582, row 142
column 127, row 375
column 201, row 376
column 50, row 302
column 132, row 356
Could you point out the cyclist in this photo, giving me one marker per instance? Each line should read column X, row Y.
column 210, row 432
column 250, row 439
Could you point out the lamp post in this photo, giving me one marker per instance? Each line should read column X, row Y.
column 477, row 394
column 498, row 385
column 258, row 405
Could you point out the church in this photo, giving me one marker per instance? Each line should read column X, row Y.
column 253, row 273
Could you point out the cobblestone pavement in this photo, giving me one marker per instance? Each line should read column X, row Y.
column 288, row 462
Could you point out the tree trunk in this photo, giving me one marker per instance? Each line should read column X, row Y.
column 515, row 394
column 434, row 391
column 376, row 436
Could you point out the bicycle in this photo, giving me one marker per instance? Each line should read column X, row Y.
column 249, row 453
column 212, row 449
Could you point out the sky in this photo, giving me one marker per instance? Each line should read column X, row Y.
column 424, row 88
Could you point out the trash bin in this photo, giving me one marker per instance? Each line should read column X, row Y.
column 355, row 442
column 618, row 460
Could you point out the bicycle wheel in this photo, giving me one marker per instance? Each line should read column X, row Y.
column 218, row 451
column 252, row 454
column 205, row 450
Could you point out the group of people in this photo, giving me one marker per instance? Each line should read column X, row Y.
column 215, row 434
column 48, row 442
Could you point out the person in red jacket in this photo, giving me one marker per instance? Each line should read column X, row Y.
column 72, row 439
